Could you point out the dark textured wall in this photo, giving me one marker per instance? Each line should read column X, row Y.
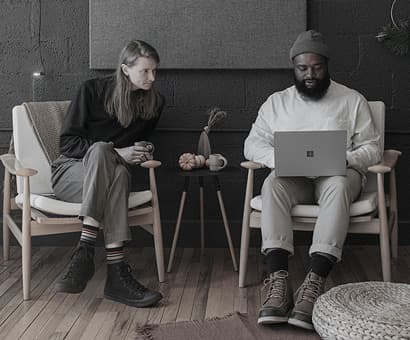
column 222, row 40
column 358, row 61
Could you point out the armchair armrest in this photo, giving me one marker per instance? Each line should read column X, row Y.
column 151, row 164
column 252, row 165
column 387, row 163
column 14, row 166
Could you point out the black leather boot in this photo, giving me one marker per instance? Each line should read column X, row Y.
column 122, row 287
column 79, row 272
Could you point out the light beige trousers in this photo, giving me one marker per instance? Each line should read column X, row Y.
column 333, row 194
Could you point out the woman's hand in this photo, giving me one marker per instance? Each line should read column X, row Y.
column 135, row 154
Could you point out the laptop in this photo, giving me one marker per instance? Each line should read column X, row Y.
column 310, row 153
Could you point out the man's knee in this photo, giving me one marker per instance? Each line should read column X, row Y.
column 272, row 182
column 336, row 188
column 339, row 184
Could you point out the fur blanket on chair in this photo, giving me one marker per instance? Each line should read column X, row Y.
column 47, row 119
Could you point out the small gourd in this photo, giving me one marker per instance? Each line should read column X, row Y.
column 188, row 161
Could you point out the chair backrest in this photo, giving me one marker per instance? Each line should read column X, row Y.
column 378, row 115
column 29, row 147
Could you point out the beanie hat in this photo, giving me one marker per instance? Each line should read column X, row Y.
column 309, row 42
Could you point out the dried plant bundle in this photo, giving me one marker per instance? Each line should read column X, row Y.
column 215, row 115
column 396, row 37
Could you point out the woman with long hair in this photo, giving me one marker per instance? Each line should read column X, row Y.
column 98, row 148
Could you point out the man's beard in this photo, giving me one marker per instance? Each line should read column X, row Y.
column 316, row 92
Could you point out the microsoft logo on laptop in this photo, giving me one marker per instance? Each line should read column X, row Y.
column 310, row 153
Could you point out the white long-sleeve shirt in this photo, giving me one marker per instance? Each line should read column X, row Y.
column 341, row 108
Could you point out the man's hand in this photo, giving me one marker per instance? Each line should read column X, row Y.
column 136, row 154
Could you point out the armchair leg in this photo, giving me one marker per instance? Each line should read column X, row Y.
column 159, row 250
column 6, row 212
column 385, row 258
column 26, row 249
column 394, row 239
column 243, row 259
column 26, row 241
column 384, row 231
column 393, row 212
column 6, row 240
column 157, row 230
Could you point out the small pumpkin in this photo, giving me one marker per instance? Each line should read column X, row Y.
column 188, row 161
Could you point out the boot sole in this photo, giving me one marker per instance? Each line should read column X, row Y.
column 270, row 320
column 133, row 303
column 300, row 323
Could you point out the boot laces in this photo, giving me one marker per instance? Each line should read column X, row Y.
column 129, row 280
column 81, row 253
column 277, row 285
column 312, row 289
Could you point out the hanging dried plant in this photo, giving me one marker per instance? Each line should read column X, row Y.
column 396, row 36
column 215, row 115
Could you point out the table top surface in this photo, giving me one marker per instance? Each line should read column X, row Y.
column 202, row 172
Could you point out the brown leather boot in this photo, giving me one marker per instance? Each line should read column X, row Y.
column 312, row 287
column 279, row 299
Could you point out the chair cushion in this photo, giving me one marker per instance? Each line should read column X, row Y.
column 52, row 205
column 366, row 203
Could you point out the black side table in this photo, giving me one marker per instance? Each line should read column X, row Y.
column 200, row 174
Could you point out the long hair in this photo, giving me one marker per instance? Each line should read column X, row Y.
column 120, row 100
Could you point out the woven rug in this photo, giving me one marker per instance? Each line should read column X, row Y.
column 232, row 327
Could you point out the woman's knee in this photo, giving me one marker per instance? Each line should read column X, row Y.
column 122, row 176
column 101, row 148
column 99, row 151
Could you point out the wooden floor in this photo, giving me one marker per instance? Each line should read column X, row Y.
column 198, row 288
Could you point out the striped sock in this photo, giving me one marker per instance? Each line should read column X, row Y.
column 89, row 235
column 115, row 255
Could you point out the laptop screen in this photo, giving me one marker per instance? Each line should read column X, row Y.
column 310, row 153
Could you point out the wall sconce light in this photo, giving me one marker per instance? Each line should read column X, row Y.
column 37, row 78
column 39, row 70
column 37, row 81
column 37, row 74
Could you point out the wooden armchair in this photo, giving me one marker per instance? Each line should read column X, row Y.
column 374, row 212
column 42, row 214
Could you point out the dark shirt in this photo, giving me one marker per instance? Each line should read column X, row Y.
column 87, row 121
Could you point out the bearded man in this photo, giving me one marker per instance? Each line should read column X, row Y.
column 315, row 102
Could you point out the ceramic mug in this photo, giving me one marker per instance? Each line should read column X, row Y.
column 216, row 162
column 145, row 146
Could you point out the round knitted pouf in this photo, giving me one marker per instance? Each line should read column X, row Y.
column 364, row 310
